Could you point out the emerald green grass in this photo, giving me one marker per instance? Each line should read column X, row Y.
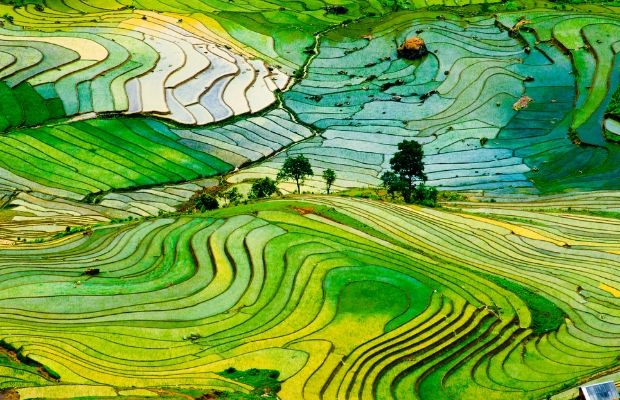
column 22, row 106
column 613, row 108
column 101, row 155
column 546, row 316
column 27, row 371
column 264, row 381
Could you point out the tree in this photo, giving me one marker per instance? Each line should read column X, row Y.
column 407, row 171
column 329, row 175
column 206, row 202
column 232, row 196
column 336, row 10
column 262, row 188
column 425, row 195
column 392, row 183
column 297, row 168
column 407, row 164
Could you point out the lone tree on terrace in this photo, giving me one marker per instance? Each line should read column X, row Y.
column 329, row 175
column 297, row 168
column 407, row 172
column 407, row 164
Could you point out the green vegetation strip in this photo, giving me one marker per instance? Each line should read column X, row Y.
column 546, row 316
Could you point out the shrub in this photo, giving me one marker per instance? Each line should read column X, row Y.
column 546, row 316
column 425, row 195
column 206, row 202
column 336, row 10
column 262, row 188
column 231, row 197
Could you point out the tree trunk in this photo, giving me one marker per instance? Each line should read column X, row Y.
column 298, row 189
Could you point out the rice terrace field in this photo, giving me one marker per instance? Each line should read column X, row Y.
column 322, row 199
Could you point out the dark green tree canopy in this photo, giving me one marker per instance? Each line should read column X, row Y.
column 297, row 168
column 232, row 196
column 407, row 162
column 391, row 182
column 407, row 171
column 425, row 195
column 329, row 175
column 262, row 188
column 206, row 202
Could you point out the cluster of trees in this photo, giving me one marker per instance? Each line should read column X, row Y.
column 294, row 169
column 205, row 201
column 407, row 177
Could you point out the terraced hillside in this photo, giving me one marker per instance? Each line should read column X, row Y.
column 458, row 101
column 367, row 100
column 346, row 298
column 95, row 156
column 115, row 114
column 276, row 30
column 132, row 61
column 353, row 95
